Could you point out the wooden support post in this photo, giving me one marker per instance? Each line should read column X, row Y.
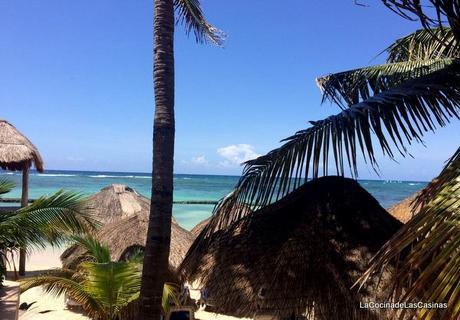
column 24, row 202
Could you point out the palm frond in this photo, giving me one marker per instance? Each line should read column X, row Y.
column 94, row 248
column 426, row 251
column 350, row 87
column 191, row 15
column 61, row 284
column 170, row 296
column 6, row 186
column 48, row 219
column 394, row 118
column 437, row 43
column 113, row 284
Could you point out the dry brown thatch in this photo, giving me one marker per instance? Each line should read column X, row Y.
column 297, row 256
column 196, row 230
column 16, row 151
column 116, row 202
column 404, row 210
column 126, row 213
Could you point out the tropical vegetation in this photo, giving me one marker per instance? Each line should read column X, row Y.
column 157, row 247
column 105, row 289
column 48, row 220
column 386, row 107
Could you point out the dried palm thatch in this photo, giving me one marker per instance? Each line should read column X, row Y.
column 117, row 201
column 196, row 230
column 126, row 214
column 16, row 151
column 297, row 256
column 405, row 209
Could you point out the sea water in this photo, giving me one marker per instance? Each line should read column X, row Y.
column 187, row 187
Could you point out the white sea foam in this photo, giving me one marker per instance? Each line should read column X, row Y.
column 55, row 175
column 102, row 176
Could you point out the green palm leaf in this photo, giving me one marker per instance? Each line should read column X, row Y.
column 113, row 284
column 106, row 290
column 170, row 293
column 351, row 87
column 191, row 14
column 426, row 251
column 61, row 283
column 95, row 250
column 6, row 186
column 48, row 219
column 437, row 43
column 393, row 119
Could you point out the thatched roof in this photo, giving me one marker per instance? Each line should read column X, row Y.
column 126, row 214
column 117, row 201
column 301, row 253
column 16, row 151
column 196, row 230
column 404, row 210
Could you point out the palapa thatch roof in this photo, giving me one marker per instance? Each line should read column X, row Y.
column 16, row 151
column 404, row 210
column 117, row 201
column 302, row 253
column 127, row 213
column 196, row 230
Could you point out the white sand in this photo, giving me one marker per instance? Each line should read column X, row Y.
column 45, row 260
column 44, row 302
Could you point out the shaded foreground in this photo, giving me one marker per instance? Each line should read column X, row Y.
column 298, row 256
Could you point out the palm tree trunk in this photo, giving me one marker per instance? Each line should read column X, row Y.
column 159, row 231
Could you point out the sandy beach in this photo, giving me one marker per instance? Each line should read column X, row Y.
column 45, row 306
column 50, row 307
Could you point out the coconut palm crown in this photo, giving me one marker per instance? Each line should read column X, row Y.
column 386, row 107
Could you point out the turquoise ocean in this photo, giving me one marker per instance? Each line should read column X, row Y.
column 187, row 187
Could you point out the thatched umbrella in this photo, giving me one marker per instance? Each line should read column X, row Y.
column 404, row 210
column 126, row 215
column 196, row 230
column 17, row 153
column 298, row 256
column 117, row 201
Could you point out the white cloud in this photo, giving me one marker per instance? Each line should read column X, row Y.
column 235, row 154
column 199, row 161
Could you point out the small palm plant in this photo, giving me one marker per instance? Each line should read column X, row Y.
column 105, row 289
column 49, row 220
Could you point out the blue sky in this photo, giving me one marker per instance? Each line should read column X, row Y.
column 76, row 78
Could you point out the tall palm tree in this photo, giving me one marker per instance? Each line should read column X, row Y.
column 49, row 220
column 159, row 230
column 388, row 107
column 104, row 288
